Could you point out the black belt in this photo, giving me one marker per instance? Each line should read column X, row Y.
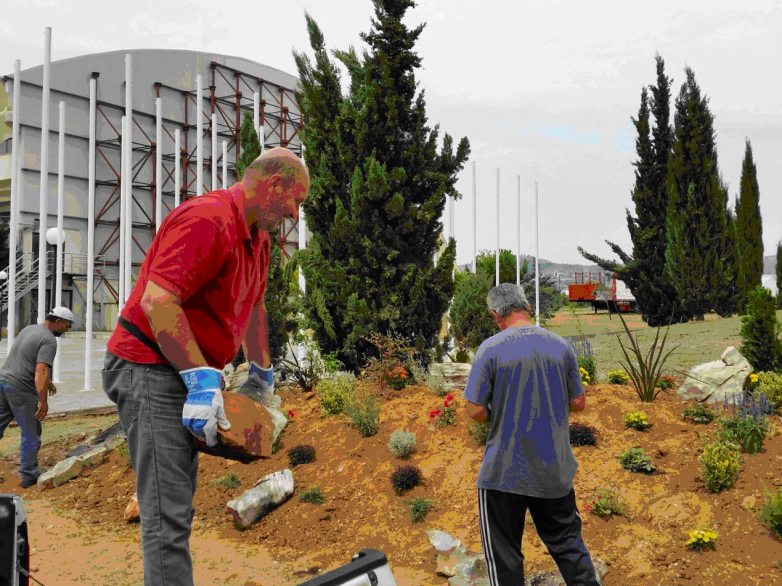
column 141, row 337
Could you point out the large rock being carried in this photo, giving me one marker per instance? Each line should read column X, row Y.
column 718, row 379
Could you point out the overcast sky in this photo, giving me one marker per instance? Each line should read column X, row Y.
column 543, row 89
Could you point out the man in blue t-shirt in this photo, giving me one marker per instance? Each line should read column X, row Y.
column 524, row 381
column 25, row 383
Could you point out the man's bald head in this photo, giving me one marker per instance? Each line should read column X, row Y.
column 278, row 161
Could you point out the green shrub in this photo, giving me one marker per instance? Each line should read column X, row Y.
column 618, row 377
column 471, row 321
column 745, row 431
column 760, row 331
column 588, row 363
column 699, row 413
column 312, row 496
column 479, row 432
column 770, row 384
column 334, row 393
column 230, row 480
column 771, row 513
column 402, row 443
column 419, row 507
column 636, row 460
column 666, row 382
column 405, row 477
column 607, row 503
column 277, row 443
column 301, row 455
column 721, row 462
column 363, row 410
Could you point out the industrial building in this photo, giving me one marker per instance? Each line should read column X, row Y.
column 232, row 86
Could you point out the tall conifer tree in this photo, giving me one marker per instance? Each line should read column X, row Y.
column 749, row 228
column 644, row 273
column 378, row 188
column 697, row 254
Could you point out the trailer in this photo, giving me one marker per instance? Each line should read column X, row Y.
column 583, row 291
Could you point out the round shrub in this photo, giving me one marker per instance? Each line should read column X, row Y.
column 636, row 460
column 581, row 435
column 405, row 477
column 402, row 443
column 334, row 393
column 721, row 462
column 770, row 384
column 301, row 455
column 699, row 413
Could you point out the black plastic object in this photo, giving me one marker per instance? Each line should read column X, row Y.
column 14, row 545
column 365, row 562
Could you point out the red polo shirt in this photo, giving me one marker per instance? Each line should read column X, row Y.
column 204, row 253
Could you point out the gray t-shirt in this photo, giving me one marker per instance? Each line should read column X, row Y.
column 34, row 344
column 526, row 376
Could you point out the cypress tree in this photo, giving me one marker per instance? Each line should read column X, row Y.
column 378, row 188
column 779, row 274
column 696, row 219
column 749, row 229
column 760, row 331
column 644, row 273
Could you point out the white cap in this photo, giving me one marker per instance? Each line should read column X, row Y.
column 62, row 313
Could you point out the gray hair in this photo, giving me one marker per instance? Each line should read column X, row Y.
column 507, row 297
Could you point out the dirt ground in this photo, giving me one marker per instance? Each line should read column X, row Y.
column 80, row 537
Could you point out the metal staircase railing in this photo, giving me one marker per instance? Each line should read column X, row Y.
column 26, row 277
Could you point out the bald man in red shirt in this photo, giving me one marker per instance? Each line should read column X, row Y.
column 199, row 296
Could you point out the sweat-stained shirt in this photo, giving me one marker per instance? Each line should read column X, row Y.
column 526, row 377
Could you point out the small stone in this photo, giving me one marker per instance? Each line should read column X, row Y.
column 35, row 569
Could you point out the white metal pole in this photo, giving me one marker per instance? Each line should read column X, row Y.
column 474, row 223
column 225, row 164
column 44, row 183
column 122, row 216
column 159, row 164
column 15, row 199
column 129, row 213
column 257, row 114
column 302, row 246
column 178, row 171
column 90, row 240
column 200, row 137
column 537, row 261
column 214, row 151
column 518, row 230
column 497, row 257
column 60, row 236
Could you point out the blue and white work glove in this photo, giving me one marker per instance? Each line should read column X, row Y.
column 259, row 385
column 204, row 410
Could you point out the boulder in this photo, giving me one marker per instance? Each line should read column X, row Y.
column 92, row 458
column 717, row 380
column 61, row 473
column 270, row 492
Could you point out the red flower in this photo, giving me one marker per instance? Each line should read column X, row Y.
column 291, row 414
column 588, row 507
column 449, row 398
column 434, row 414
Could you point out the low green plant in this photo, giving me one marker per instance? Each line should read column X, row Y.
column 230, row 480
column 419, row 507
column 617, row 377
column 746, row 432
column 637, row 421
column 479, row 432
column 334, row 394
column 313, row 495
column 405, row 477
column 301, row 455
column 589, row 364
column 446, row 415
column 721, row 461
column 646, row 376
column 435, row 382
column 402, row 443
column 771, row 512
column 635, row 460
column 308, row 373
column 699, row 413
column 363, row 410
column 607, row 503
column 666, row 382
column 331, row 363
column 770, row 385
column 701, row 539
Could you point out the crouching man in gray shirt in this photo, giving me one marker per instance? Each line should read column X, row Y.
column 25, row 382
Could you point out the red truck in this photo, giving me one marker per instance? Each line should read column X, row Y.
column 584, row 291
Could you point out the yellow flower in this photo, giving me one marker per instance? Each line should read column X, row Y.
column 753, row 378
